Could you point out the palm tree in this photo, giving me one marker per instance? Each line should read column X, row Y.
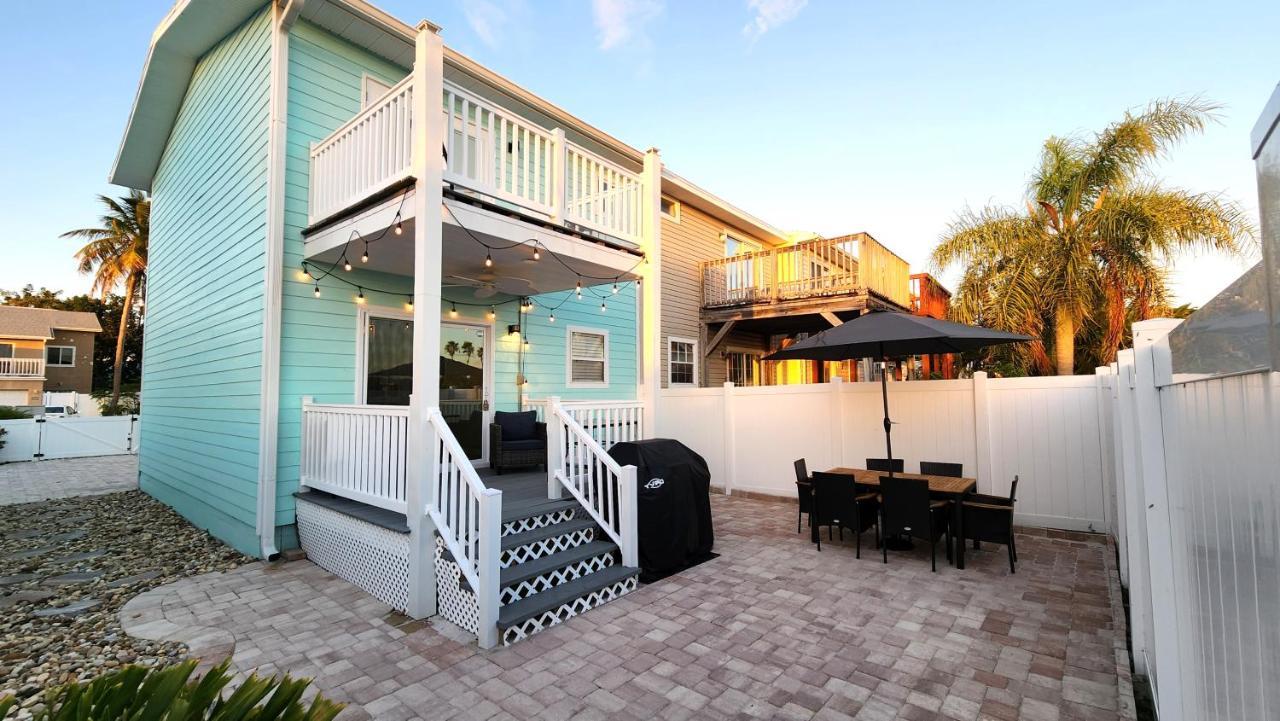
column 468, row 350
column 116, row 254
column 451, row 348
column 1092, row 246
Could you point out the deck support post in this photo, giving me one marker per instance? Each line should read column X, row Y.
column 487, row 595
column 428, row 238
column 650, row 370
column 628, row 516
column 555, row 447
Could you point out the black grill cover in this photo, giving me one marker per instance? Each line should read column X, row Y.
column 674, row 505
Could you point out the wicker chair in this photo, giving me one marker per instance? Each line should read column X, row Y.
column 516, row 440
column 886, row 465
column 907, row 510
column 990, row 518
column 841, row 503
column 804, row 493
column 935, row 468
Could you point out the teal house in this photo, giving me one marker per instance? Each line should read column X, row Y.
column 365, row 246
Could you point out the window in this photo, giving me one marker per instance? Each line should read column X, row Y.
column 371, row 90
column 742, row 369
column 671, row 209
column 6, row 350
column 588, row 358
column 737, row 246
column 60, row 355
column 682, row 362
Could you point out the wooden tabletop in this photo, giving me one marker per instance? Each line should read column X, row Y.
column 937, row 484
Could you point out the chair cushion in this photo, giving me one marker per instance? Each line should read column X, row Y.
column 517, row 426
column 524, row 444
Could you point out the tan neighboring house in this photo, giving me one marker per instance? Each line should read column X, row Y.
column 44, row 350
column 735, row 288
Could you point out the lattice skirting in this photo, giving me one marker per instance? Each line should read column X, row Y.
column 457, row 604
column 568, row 610
column 540, row 583
column 528, row 524
column 372, row 557
column 546, row 547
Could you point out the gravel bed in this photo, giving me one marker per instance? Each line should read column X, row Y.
column 66, row 568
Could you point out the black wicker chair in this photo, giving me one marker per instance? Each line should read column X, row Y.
column 839, row 502
column 990, row 518
column 517, row 440
column 907, row 510
column 804, row 493
column 934, row 468
column 886, row 465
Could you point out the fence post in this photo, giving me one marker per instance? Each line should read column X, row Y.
column 982, row 432
column 628, row 523
column 837, row 421
column 730, row 447
column 488, row 567
column 555, row 447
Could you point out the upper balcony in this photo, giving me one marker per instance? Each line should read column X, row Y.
column 849, row 273
column 21, row 368
column 491, row 153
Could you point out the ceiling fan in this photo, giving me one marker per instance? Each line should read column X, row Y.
column 487, row 285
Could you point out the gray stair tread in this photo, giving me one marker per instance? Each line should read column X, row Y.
column 538, row 534
column 538, row 566
column 518, row 511
column 389, row 520
column 553, row 598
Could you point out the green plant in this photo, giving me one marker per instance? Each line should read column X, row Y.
column 9, row 413
column 170, row 694
column 127, row 405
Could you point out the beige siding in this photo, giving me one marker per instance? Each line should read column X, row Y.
column 685, row 244
column 78, row 377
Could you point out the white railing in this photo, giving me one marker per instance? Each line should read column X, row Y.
column 601, row 195
column 371, row 151
column 21, row 366
column 497, row 152
column 468, row 517
column 356, row 452
column 489, row 150
column 604, row 487
column 608, row 422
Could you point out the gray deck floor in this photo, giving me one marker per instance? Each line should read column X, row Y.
column 523, row 493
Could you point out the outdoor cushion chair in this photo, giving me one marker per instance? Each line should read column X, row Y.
column 934, row 468
column 839, row 502
column 907, row 510
column 886, row 465
column 517, row 439
column 990, row 518
column 804, row 493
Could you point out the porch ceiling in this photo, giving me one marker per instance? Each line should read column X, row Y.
column 514, row 270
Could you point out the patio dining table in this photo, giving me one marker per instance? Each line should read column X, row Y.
column 940, row 487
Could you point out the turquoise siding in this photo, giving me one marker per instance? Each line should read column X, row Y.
column 202, row 359
column 317, row 347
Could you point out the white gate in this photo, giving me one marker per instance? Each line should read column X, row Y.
column 74, row 437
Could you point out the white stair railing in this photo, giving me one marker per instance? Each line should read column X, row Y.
column 605, row 488
column 468, row 517
column 608, row 422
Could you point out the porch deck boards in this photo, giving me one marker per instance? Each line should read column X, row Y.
column 523, row 494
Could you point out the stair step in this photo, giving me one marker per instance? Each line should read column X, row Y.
column 538, row 566
column 516, row 540
column 520, row 512
column 549, row 600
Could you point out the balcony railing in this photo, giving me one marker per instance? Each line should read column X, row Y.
column 489, row 150
column 810, row 269
column 26, row 367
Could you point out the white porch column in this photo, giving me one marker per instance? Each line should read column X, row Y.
column 649, row 374
column 428, row 235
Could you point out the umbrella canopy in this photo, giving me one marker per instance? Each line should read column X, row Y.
column 893, row 335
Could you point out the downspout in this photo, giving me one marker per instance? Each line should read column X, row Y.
column 283, row 13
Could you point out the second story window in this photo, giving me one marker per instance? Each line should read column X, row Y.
column 60, row 355
column 671, row 209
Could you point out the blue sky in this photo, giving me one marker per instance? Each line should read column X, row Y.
column 830, row 116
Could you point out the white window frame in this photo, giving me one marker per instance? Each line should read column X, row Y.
column 674, row 215
column 693, row 342
column 367, row 83
column 72, row 364
column 759, row 363
column 569, row 382
column 362, row 343
column 751, row 245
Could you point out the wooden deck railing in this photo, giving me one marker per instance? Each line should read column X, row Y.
column 810, row 269
column 489, row 150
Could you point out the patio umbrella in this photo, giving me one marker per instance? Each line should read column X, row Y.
column 886, row 335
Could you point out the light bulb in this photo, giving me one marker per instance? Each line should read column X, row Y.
column 453, row 311
column 615, row 288
column 399, row 229
column 492, row 313
column 346, row 264
column 317, row 290
column 360, row 297
column 408, row 304
column 551, row 318
column 601, row 306
column 537, row 254
column 488, row 260
column 364, row 257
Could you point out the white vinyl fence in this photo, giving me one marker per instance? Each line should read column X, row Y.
column 31, row 439
column 1048, row 431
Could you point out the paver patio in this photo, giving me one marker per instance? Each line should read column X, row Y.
column 29, row 481
column 770, row 629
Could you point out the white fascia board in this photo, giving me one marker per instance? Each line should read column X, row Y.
column 686, row 192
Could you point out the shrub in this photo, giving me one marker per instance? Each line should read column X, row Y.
column 169, row 694
column 128, row 405
column 9, row 413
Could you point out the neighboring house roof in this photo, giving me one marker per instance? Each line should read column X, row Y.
column 193, row 27
column 21, row 322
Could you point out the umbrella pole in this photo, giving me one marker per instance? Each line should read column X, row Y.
column 884, row 394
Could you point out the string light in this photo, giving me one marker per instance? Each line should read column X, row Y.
column 537, row 254
column 346, row 264
column 453, row 311
column 360, row 296
column 493, row 313
column 408, row 303
column 602, row 309
column 552, row 318
column 364, row 258
column 317, row 291
column 399, row 229
column 488, row 260
column 615, row 287
column 579, row 290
